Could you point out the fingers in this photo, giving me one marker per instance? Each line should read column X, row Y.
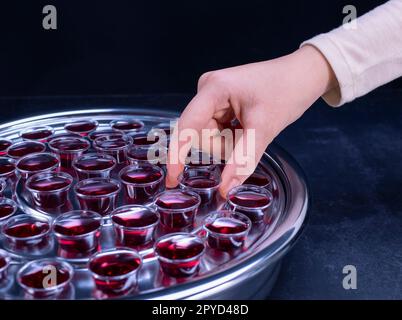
column 195, row 117
column 246, row 154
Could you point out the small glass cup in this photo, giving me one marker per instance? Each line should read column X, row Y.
column 5, row 260
column 134, row 225
column 49, row 189
column 77, row 233
column 24, row 148
column 4, row 145
column 93, row 165
column 260, row 179
column 8, row 172
column 114, row 145
column 8, row 208
column 115, row 271
column 179, row 254
column 37, row 163
column 101, row 133
column 177, row 208
column 36, row 278
column 98, row 194
column 81, row 127
column 40, row 133
column 141, row 182
column 152, row 154
column 204, row 181
column 226, row 230
column 126, row 125
column 25, row 232
column 68, row 149
column 255, row 202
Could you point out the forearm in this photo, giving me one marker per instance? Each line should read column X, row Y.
column 364, row 58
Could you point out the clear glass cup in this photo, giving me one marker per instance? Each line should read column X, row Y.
column 5, row 260
column 179, row 254
column 115, row 271
column 177, row 208
column 8, row 208
column 134, row 225
column 77, row 233
column 253, row 201
column 204, row 181
column 68, row 149
column 126, row 125
column 98, row 194
column 141, row 182
column 4, row 145
column 26, row 233
column 24, row 148
column 49, row 189
column 94, row 165
column 37, row 163
column 81, row 127
column 39, row 133
column 45, row 278
column 115, row 145
column 226, row 230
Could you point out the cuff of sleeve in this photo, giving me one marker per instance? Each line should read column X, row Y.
column 344, row 92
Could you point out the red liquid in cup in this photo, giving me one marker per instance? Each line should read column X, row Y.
column 141, row 183
column 35, row 280
column 226, row 233
column 94, row 166
column 101, row 133
column 81, row 127
column 258, row 179
column 40, row 134
column 7, row 167
column 37, row 163
column 115, row 145
column 24, row 148
column 77, row 237
column 134, row 225
column 26, row 230
column 249, row 199
column 141, row 139
column 50, row 190
column 4, row 145
column 110, row 270
column 127, row 125
column 69, row 149
column 253, row 201
column 177, row 208
column 26, row 234
column 6, row 210
column 97, row 195
column 179, row 255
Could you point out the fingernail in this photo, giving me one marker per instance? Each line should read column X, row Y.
column 233, row 183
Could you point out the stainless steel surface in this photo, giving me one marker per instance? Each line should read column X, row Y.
column 250, row 274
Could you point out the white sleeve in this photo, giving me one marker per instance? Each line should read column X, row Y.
column 366, row 57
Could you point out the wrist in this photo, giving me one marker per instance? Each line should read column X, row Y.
column 321, row 74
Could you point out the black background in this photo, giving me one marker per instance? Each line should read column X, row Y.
column 156, row 46
column 151, row 53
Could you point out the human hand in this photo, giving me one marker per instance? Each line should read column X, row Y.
column 265, row 96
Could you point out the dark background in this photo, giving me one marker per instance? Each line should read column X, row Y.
column 155, row 46
column 151, row 53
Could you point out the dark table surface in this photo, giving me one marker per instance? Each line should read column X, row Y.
column 352, row 157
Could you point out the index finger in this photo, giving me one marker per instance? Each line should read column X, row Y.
column 194, row 118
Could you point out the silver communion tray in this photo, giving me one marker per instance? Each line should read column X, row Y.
column 249, row 274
